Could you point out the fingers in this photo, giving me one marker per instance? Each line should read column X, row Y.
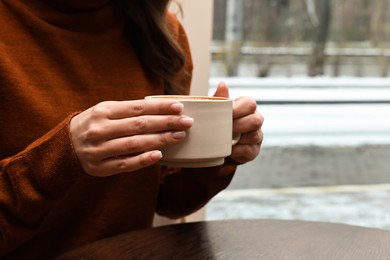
column 125, row 154
column 132, row 145
column 248, row 148
column 125, row 109
column 126, row 129
column 244, row 106
column 254, row 137
column 222, row 90
column 245, row 153
column 124, row 164
column 248, row 123
column 139, row 125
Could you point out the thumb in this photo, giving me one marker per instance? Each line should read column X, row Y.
column 222, row 90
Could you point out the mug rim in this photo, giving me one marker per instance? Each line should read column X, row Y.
column 188, row 98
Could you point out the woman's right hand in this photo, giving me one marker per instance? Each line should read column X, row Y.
column 124, row 136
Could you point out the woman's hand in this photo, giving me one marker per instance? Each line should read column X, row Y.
column 116, row 137
column 247, row 121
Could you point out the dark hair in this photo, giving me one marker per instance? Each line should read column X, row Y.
column 152, row 38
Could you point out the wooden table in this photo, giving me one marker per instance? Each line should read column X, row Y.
column 242, row 240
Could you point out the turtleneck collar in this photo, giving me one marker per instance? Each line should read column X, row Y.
column 78, row 5
column 77, row 15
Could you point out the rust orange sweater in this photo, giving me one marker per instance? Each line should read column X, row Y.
column 55, row 62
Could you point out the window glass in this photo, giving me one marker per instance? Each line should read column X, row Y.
column 319, row 71
column 284, row 38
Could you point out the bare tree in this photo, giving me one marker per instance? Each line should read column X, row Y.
column 338, row 33
column 233, row 35
column 219, row 22
column 317, row 59
column 376, row 23
column 376, row 33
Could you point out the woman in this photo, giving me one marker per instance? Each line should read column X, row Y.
column 73, row 75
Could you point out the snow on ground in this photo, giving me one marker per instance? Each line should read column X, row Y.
column 359, row 112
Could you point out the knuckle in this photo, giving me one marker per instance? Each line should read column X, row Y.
column 138, row 107
column 163, row 107
column 251, row 104
column 100, row 110
column 132, row 145
column 256, row 137
column 141, row 124
column 121, row 165
column 163, row 138
column 171, row 123
column 256, row 122
column 94, row 132
column 246, row 153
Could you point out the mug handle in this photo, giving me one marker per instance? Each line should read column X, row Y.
column 236, row 138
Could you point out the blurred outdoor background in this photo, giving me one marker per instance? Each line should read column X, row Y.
column 284, row 38
column 319, row 71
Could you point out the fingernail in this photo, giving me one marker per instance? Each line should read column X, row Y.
column 186, row 121
column 179, row 135
column 156, row 155
column 177, row 107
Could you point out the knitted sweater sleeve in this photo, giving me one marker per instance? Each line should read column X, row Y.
column 32, row 181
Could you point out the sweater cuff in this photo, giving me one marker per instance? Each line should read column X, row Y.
column 52, row 161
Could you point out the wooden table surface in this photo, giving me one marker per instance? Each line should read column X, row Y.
column 242, row 240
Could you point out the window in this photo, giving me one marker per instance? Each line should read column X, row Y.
column 319, row 70
column 333, row 55
column 285, row 38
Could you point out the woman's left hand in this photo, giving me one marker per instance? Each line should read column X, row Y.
column 247, row 121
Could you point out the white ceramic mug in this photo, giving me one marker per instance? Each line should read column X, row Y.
column 209, row 140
